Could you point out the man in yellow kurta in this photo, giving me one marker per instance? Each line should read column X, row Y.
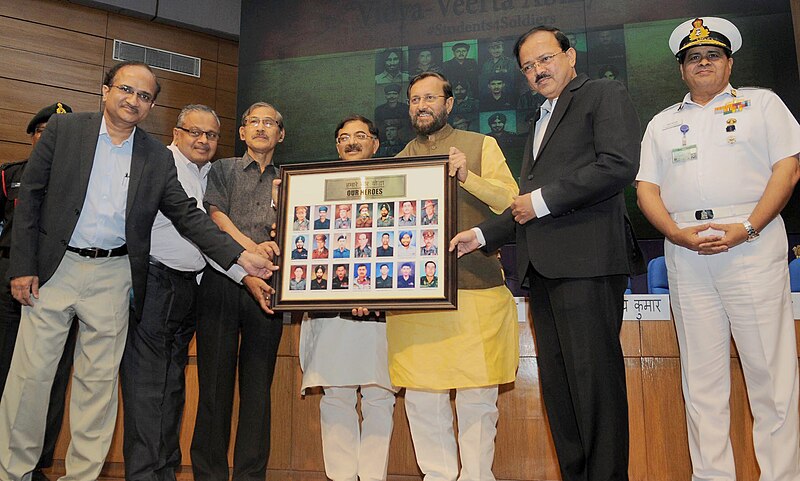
column 476, row 347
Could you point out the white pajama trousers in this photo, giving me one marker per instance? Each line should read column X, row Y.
column 430, row 418
column 352, row 452
column 744, row 293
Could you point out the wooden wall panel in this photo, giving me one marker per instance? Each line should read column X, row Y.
column 667, row 451
column 13, row 125
column 11, row 151
column 658, row 339
column 228, row 53
column 179, row 94
column 161, row 121
column 46, row 70
column 51, row 41
column 630, row 339
column 224, row 151
column 30, row 98
column 306, row 452
column 637, row 467
column 226, row 104
column 57, row 13
column 524, row 448
column 283, row 395
column 227, row 77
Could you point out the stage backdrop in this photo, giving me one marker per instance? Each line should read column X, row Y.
column 318, row 61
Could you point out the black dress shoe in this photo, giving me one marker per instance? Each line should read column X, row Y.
column 38, row 475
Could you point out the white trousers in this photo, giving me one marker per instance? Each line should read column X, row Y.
column 98, row 291
column 745, row 293
column 430, row 418
column 351, row 452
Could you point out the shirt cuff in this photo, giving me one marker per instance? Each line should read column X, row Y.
column 479, row 235
column 538, row 204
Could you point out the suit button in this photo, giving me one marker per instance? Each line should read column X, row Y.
column 530, row 177
column 63, row 242
column 77, row 212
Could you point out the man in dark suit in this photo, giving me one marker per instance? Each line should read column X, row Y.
column 11, row 309
column 89, row 196
column 582, row 151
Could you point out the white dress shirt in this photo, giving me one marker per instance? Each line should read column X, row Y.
column 167, row 245
column 102, row 220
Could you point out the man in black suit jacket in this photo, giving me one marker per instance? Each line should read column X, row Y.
column 89, row 196
column 575, row 249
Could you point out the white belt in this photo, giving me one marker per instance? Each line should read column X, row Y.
column 714, row 213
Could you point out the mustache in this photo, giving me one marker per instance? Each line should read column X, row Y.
column 542, row 76
column 352, row 148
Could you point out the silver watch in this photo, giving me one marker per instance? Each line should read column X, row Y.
column 752, row 233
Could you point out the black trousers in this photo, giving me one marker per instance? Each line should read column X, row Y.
column 577, row 324
column 226, row 314
column 10, row 312
column 152, row 375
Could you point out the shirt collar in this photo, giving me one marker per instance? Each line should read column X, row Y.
column 185, row 160
column 104, row 132
column 248, row 161
column 687, row 99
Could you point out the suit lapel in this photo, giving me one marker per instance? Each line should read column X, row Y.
column 89, row 138
column 138, row 159
column 561, row 108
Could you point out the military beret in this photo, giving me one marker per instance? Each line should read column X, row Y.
column 44, row 115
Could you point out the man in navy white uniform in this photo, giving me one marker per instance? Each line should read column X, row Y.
column 716, row 170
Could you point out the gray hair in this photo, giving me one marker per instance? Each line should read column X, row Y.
column 262, row 104
column 195, row 108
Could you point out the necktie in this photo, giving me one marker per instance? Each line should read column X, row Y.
column 541, row 126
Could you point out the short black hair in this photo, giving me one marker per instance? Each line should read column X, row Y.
column 447, row 88
column 108, row 81
column 350, row 118
column 563, row 40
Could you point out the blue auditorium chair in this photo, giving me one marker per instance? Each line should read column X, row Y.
column 794, row 275
column 657, row 276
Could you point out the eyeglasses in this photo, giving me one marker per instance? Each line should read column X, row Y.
column 429, row 99
column 359, row 136
column 140, row 94
column 196, row 133
column 255, row 121
column 711, row 56
column 543, row 61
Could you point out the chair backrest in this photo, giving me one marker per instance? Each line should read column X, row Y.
column 657, row 276
column 794, row 275
column 629, row 289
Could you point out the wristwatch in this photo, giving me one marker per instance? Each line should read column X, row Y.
column 752, row 233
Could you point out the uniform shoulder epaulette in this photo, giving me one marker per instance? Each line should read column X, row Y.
column 754, row 88
column 12, row 163
column 671, row 107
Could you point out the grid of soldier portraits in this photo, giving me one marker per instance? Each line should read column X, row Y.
column 365, row 246
column 490, row 94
